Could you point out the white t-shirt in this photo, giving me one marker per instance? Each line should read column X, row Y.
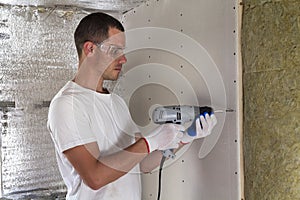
column 78, row 116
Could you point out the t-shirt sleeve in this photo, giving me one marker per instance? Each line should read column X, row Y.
column 69, row 126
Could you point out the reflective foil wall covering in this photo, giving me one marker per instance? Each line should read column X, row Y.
column 108, row 5
column 37, row 57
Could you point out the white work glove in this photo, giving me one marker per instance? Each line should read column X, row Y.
column 208, row 122
column 166, row 136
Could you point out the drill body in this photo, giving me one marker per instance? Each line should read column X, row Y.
column 180, row 114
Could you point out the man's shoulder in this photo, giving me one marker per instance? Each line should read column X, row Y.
column 68, row 93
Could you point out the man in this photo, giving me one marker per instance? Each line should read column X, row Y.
column 98, row 155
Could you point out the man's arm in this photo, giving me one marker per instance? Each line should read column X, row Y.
column 151, row 162
column 97, row 173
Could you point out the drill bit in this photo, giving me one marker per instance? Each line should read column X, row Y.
column 222, row 111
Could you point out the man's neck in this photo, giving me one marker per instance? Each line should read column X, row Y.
column 90, row 85
column 89, row 79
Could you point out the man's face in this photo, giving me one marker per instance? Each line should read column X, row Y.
column 112, row 54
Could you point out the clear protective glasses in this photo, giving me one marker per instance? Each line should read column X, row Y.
column 112, row 50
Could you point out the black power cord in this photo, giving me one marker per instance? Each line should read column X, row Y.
column 159, row 176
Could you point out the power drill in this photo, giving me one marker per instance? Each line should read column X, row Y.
column 180, row 114
column 177, row 114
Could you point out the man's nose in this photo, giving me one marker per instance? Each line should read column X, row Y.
column 122, row 59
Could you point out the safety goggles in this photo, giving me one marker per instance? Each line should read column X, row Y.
column 112, row 50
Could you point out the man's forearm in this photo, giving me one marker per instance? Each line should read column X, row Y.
column 125, row 160
column 97, row 171
column 151, row 162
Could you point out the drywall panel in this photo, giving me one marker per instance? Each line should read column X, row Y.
column 185, row 52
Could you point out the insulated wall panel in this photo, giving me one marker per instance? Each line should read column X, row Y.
column 32, row 69
column 37, row 57
column 271, row 53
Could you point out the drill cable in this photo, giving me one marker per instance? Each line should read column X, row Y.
column 160, row 176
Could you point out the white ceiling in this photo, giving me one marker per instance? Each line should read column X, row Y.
column 109, row 5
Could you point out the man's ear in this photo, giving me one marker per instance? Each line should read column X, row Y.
column 88, row 48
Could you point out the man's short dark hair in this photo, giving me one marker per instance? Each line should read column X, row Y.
column 94, row 27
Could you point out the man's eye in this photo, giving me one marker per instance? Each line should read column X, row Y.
column 116, row 51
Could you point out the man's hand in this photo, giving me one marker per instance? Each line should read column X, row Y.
column 204, row 125
column 166, row 136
